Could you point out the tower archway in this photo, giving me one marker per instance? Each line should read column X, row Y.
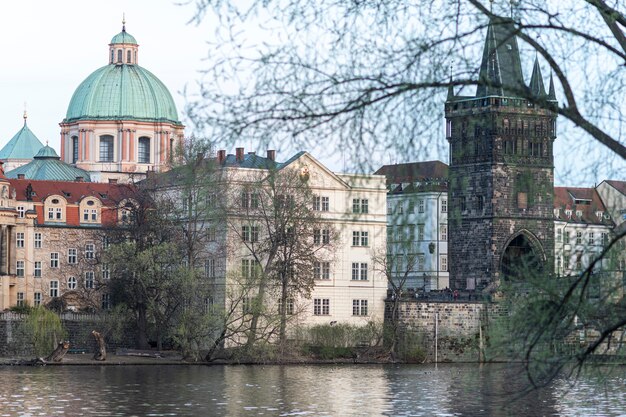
column 522, row 257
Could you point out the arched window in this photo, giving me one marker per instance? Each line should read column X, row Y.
column 144, row 150
column 128, row 56
column 106, row 148
column 74, row 149
column 119, row 56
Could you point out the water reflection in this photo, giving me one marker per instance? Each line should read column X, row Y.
column 446, row 390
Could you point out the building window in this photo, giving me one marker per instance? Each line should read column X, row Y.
column 420, row 232
column 605, row 239
column 246, row 305
column 321, row 270
column 559, row 235
column 566, row 237
column 360, row 238
column 106, row 271
column 249, row 200
column 90, row 251
column 480, row 203
column 37, row 299
column 20, row 211
column 106, row 301
column 37, row 269
column 420, row 206
column 106, row 148
column 71, row 283
column 321, row 237
column 72, row 257
column 75, row 148
column 290, row 307
column 462, row 204
column 144, row 150
column 250, row 268
column 421, row 261
column 19, row 239
column 444, row 206
column 591, row 239
column 89, row 279
column 37, row 240
column 19, row 268
column 320, row 203
column 443, row 262
column 443, row 229
column 54, row 260
column 321, row 306
column 209, row 268
column 360, row 205
column 359, row 307
column 20, row 299
column 579, row 238
column 54, row 288
column 359, row 271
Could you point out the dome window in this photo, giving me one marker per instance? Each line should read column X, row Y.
column 106, row 148
column 112, row 56
column 128, row 54
column 74, row 149
column 119, row 56
column 144, row 150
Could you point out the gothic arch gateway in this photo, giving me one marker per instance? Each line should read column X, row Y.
column 523, row 255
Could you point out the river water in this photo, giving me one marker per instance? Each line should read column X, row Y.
column 318, row 390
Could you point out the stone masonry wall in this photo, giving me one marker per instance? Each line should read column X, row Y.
column 14, row 342
column 458, row 327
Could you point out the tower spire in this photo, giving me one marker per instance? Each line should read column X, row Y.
column 123, row 22
column 501, row 69
column 551, row 92
column 536, row 80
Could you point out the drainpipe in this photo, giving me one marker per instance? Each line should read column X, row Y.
column 436, row 336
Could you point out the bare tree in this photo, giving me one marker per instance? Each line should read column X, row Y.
column 371, row 77
column 281, row 241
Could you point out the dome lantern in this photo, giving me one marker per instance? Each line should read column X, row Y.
column 123, row 48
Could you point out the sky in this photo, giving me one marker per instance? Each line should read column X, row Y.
column 50, row 47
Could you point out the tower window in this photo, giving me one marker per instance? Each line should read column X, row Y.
column 119, row 56
column 144, row 150
column 74, row 149
column 106, row 148
column 128, row 54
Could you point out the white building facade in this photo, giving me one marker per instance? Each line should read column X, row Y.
column 417, row 224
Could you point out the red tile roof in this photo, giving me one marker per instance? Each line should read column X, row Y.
column 589, row 203
column 109, row 194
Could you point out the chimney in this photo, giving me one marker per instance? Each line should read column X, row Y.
column 20, row 176
column 221, row 156
column 251, row 153
column 79, row 179
column 239, row 154
column 112, row 180
column 271, row 154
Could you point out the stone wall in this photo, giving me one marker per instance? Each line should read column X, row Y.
column 459, row 328
column 15, row 342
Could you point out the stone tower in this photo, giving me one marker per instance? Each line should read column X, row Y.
column 501, row 222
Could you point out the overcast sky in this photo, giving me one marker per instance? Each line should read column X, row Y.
column 50, row 47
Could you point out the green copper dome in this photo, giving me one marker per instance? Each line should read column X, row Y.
column 123, row 37
column 122, row 92
column 24, row 145
column 46, row 165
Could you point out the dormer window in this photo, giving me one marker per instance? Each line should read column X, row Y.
column 55, row 209
column 568, row 213
column 579, row 213
column 557, row 212
column 599, row 215
column 90, row 210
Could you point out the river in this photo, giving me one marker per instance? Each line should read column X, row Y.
column 317, row 390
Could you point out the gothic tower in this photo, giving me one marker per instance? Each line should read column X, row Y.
column 501, row 222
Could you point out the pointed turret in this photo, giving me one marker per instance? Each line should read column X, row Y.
column 536, row 81
column 450, row 91
column 501, row 69
column 551, row 92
